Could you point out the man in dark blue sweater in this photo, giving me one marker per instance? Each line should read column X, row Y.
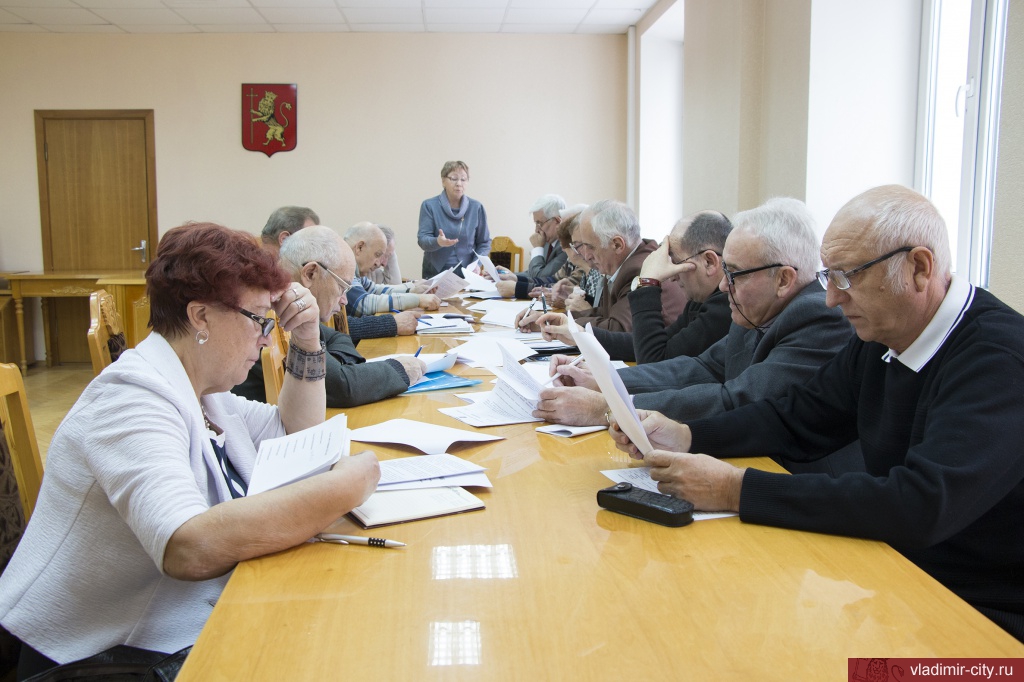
column 931, row 387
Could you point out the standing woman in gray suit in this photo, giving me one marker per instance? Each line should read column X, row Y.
column 453, row 227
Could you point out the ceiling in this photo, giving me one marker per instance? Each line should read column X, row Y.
column 320, row 16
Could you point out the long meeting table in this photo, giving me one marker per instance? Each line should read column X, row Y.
column 543, row 584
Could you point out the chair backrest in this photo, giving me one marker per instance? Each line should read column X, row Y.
column 106, row 336
column 505, row 253
column 272, row 361
column 21, row 436
column 340, row 321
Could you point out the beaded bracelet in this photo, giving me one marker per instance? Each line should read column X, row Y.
column 305, row 365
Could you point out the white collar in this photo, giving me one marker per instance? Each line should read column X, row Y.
column 956, row 302
column 611, row 280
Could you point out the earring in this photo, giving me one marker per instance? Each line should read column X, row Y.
column 202, row 336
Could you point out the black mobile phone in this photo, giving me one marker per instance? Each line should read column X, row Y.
column 666, row 510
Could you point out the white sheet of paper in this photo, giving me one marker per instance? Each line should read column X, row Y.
column 503, row 313
column 487, row 306
column 436, row 362
column 566, row 431
column 405, row 469
column 437, row 323
column 488, row 266
column 478, row 283
column 447, row 284
column 476, row 479
column 512, row 401
column 487, row 352
column 429, row 438
column 640, row 477
column 291, row 458
column 612, row 388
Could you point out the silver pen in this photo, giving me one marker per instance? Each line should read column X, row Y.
column 358, row 540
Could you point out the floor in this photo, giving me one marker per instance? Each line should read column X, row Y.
column 51, row 393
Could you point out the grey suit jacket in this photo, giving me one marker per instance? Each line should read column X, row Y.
column 547, row 267
column 745, row 367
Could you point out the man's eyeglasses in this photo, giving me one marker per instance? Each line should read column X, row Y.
column 456, row 181
column 699, row 253
column 266, row 323
column 841, row 278
column 345, row 286
column 577, row 248
column 541, row 223
column 731, row 275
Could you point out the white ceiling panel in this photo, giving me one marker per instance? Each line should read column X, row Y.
column 306, row 16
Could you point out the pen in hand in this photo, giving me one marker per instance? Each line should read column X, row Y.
column 550, row 382
column 359, row 540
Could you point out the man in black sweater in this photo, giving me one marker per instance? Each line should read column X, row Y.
column 690, row 258
column 932, row 389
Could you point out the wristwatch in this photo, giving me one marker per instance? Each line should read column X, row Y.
column 644, row 282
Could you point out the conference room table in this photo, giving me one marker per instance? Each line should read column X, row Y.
column 543, row 584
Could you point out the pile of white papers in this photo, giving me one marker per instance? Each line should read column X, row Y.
column 512, row 401
column 438, row 471
column 503, row 313
column 487, row 352
column 429, row 438
column 437, row 323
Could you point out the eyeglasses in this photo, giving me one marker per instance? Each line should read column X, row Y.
column 577, row 248
column 345, row 286
column 456, row 181
column 541, row 223
column 699, row 253
column 266, row 323
column 731, row 275
column 841, row 278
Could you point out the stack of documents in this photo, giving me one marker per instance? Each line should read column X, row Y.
column 512, row 401
column 503, row 313
column 437, row 323
column 399, row 506
column 487, row 352
column 438, row 471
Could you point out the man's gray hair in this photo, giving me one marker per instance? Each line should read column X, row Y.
column 550, row 204
column 610, row 218
column 785, row 228
column 902, row 217
column 317, row 243
column 287, row 219
column 364, row 230
column 389, row 234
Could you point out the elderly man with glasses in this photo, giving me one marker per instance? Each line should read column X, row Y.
column 781, row 333
column 931, row 386
column 319, row 259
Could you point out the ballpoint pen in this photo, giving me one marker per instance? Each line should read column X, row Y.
column 417, row 353
column 359, row 540
column 575, row 362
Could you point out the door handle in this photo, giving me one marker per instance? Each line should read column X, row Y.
column 141, row 248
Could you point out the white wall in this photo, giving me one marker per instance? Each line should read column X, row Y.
column 1007, row 269
column 862, row 103
column 378, row 114
column 661, row 135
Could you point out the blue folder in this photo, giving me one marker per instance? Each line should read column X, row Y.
column 437, row 381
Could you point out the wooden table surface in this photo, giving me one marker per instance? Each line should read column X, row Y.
column 542, row 584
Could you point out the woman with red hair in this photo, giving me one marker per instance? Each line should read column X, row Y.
column 142, row 514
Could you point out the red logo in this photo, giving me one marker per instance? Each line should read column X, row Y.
column 269, row 117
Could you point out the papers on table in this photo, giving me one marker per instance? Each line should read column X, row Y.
column 612, row 388
column 486, row 352
column 566, row 431
column 478, row 283
column 430, row 472
column 299, row 455
column 503, row 313
column 435, row 362
column 512, row 401
column 397, row 506
column 437, row 323
column 429, row 438
column 640, row 477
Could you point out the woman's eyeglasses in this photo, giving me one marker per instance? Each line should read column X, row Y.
column 266, row 323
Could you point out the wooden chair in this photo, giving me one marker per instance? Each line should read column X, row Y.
column 340, row 322
column 106, row 336
column 505, row 253
column 21, row 436
column 272, row 362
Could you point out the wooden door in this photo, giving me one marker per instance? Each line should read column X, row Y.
column 97, row 194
